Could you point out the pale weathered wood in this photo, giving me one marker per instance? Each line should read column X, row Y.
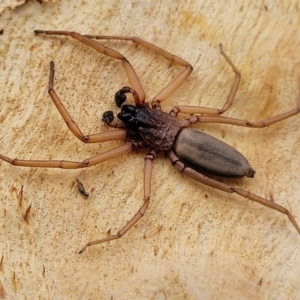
column 194, row 242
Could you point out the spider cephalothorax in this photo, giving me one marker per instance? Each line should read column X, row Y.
column 155, row 128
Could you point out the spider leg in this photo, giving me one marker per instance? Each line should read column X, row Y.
column 175, row 83
column 213, row 111
column 131, row 74
column 65, row 164
column 92, row 138
column 226, row 188
column 147, row 189
column 239, row 122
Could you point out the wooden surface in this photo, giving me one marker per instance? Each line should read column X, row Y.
column 194, row 242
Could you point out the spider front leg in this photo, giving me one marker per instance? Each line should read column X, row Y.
column 131, row 74
column 226, row 188
column 147, row 189
column 175, row 83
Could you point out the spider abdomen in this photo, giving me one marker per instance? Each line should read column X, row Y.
column 205, row 153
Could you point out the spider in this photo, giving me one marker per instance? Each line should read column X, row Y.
column 143, row 125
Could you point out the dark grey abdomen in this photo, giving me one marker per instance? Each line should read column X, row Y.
column 207, row 154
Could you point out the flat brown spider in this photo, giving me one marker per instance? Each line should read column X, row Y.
column 146, row 126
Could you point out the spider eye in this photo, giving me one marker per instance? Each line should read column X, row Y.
column 108, row 117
